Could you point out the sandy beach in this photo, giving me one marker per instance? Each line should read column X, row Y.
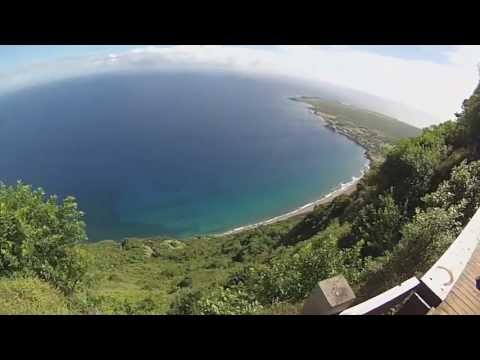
column 344, row 189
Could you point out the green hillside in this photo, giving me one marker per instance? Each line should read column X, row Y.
column 370, row 129
column 406, row 211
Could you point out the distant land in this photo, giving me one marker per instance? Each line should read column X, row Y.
column 397, row 110
column 370, row 129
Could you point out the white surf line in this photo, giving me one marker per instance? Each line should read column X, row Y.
column 301, row 209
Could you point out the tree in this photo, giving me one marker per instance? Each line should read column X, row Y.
column 410, row 167
column 378, row 225
column 470, row 117
column 461, row 190
column 38, row 236
column 291, row 275
column 424, row 240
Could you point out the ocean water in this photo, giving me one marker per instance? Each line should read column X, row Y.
column 175, row 154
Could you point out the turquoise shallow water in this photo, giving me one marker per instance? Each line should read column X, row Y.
column 173, row 154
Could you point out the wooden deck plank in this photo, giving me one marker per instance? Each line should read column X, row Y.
column 470, row 275
column 445, row 306
column 474, row 265
column 457, row 304
column 460, row 301
column 445, row 309
column 438, row 311
column 444, row 313
column 471, row 287
column 467, row 280
column 443, row 275
column 473, row 307
column 475, row 270
column 470, row 293
column 464, row 298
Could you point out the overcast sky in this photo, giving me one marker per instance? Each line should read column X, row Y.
column 434, row 79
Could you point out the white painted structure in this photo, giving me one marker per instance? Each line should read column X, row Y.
column 443, row 275
column 437, row 282
column 385, row 300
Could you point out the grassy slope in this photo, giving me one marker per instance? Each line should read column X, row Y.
column 145, row 275
column 30, row 296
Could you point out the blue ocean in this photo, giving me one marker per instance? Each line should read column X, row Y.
column 175, row 154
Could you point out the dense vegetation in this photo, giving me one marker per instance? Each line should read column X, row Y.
column 405, row 213
column 40, row 260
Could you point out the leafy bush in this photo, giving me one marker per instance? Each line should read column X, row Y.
column 409, row 167
column 470, row 118
column 185, row 302
column 378, row 225
column 292, row 275
column 185, row 282
column 424, row 240
column 38, row 237
column 228, row 302
column 461, row 189
column 286, row 278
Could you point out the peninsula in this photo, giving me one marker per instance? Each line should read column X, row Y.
column 373, row 131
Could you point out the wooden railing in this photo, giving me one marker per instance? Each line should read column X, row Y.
column 419, row 296
column 382, row 303
column 443, row 275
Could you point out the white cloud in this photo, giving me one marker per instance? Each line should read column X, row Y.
column 437, row 88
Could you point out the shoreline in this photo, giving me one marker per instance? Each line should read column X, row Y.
column 342, row 189
column 328, row 124
column 332, row 128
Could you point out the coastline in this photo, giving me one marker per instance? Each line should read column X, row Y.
column 343, row 189
column 331, row 127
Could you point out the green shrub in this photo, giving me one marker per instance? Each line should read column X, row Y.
column 470, row 117
column 424, row 240
column 185, row 282
column 185, row 302
column 410, row 167
column 378, row 225
column 228, row 302
column 290, row 276
column 461, row 189
column 38, row 236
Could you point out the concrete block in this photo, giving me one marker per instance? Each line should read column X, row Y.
column 329, row 297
